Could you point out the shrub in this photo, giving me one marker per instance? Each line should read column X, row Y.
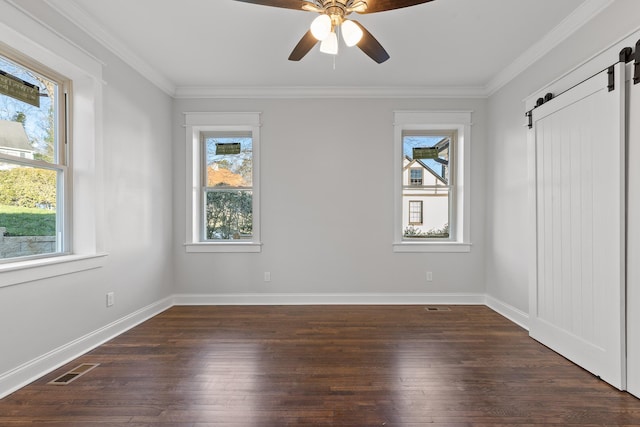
column 28, row 187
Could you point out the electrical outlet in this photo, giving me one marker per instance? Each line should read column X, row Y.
column 110, row 296
column 429, row 276
column 267, row 276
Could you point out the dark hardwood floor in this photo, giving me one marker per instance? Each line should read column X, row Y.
column 323, row 365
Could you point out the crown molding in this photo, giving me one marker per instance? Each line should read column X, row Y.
column 292, row 92
column 71, row 11
column 579, row 17
column 572, row 23
column 90, row 63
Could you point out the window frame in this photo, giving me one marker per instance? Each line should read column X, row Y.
column 196, row 124
column 61, row 154
column 430, row 121
column 205, row 188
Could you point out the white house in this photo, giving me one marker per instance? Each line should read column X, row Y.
column 426, row 192
column 14, row 140
column 425, row 198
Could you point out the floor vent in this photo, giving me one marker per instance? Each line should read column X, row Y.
column 437, row 308
column 73, row 374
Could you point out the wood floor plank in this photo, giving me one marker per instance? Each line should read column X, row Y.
column 323, row 365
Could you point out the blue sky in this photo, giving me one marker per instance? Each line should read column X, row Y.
column 37, row 118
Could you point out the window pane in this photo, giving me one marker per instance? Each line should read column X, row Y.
column 36, row 135
column 438, row 166
column 416, row 177
column 428, row 217
column 28, row 217
column 228, row 170
column 229, row 215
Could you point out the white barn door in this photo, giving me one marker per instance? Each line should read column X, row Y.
column 577, row 289
column 633, row 240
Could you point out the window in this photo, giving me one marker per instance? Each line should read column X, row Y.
column 416, row 176
column 228, row 188
column 33, row 160
column 223, row 182
column 431, row 174
column 47, row 54
column 415, row 212
column 427, row 154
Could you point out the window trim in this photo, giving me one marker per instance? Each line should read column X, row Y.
column 460, row 121
column 195, row 124
column 24, row 35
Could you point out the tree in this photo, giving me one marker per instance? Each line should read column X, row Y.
column 20, row 117
column 229, row 214
column 28, row 187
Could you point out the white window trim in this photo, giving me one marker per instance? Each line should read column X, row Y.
column 196, row 123
column 24, row 34
column 436, row 120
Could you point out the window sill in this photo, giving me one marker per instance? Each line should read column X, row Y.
column 28, row 271
column 232, row 247
column 432, row 247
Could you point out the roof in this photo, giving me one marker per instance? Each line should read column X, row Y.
column 12, row 135
column 429, row 167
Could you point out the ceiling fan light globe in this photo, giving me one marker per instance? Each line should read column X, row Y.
column 330, row 44
column 321, row 27
column 351, row 33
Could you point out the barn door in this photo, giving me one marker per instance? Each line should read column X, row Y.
column 577, row 291
column 633, row 239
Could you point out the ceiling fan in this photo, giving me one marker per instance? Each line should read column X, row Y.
column 333, row 16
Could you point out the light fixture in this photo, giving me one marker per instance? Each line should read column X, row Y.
column 321, row 27
column 351, row 32
column 330, row 44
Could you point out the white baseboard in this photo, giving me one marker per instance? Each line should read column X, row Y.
column 327, row 299
column 30, row 371
column 518, row 317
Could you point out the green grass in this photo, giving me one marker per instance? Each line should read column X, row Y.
column 27, row 221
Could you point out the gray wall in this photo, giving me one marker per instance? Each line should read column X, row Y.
column 327, row 204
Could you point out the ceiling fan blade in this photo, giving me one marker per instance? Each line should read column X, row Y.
column 382, row 5
column 287, row 4
column 372, row 47
column 306, row 43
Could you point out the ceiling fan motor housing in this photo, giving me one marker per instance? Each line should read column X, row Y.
column 337, row 11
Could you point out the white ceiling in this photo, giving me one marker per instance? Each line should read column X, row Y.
column 470, row 44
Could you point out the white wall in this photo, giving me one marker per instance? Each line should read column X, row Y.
column 41, row 316
column 327, row 204
column 506, row 177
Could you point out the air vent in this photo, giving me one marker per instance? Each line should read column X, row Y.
column 73, row 374
column 437, row 308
